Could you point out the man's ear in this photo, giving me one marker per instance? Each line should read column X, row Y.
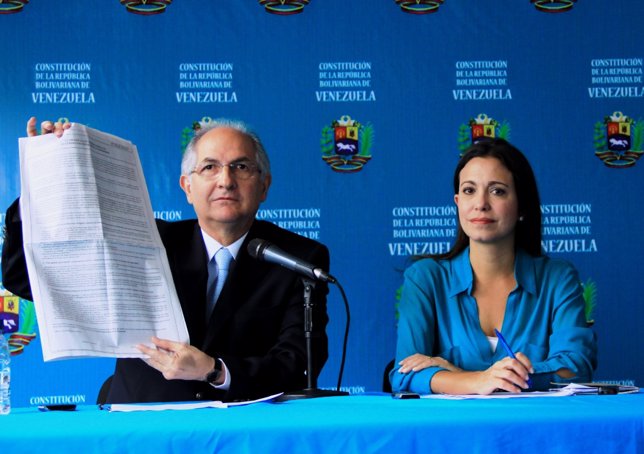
column 186, row 185
column 267, row 184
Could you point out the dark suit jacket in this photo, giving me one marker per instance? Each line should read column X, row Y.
column 257, row 326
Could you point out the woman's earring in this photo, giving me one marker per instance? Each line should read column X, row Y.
column 521, row 218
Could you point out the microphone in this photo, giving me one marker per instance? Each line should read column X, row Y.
column 264, row 251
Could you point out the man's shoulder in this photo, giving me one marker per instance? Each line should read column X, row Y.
column 187, row 224
column 183, row 231
column 281, row 237
column 176, row 231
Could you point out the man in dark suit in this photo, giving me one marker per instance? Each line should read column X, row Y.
column 252, row 344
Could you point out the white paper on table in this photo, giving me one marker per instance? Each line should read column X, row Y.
column 186, row 405
column 98, row 271
column 563, row 392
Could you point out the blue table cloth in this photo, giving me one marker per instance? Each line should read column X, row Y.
column 353, row 424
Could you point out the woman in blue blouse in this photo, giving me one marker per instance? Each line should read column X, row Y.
column 494, row 277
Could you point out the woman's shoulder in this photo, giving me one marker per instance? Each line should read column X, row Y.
column 551, row 267
column 429, row 267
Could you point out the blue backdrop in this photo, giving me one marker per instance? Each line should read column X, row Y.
column 364, row 107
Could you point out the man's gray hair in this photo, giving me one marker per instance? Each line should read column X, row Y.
column 189, row 161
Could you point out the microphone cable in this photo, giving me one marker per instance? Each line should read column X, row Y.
column 346, row 334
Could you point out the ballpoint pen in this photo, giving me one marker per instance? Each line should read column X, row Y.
column 509, row 350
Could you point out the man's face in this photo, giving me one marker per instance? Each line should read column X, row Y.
column 225, row 202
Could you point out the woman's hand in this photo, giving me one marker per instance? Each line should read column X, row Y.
column 507, row 374
column 417, row 362
column 47, row 127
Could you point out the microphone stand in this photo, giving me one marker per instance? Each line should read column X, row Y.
column 311, row 390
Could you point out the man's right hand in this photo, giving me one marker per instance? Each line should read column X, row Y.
column 47, row 127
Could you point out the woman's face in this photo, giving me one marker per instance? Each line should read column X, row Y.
column 487, row 201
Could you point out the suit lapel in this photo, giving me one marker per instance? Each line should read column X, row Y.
column 191, row 281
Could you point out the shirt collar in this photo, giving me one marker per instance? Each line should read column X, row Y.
column 463, row 277
column 525, row 271
column 212, row 245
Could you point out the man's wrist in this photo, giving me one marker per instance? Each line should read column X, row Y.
column 216, row 373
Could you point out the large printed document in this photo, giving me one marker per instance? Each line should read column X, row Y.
column 98, row 270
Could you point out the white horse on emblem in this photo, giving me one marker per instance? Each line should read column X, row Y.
column 346, row 147
column 618, row 142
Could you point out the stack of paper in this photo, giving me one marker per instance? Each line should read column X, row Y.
column 98, row 270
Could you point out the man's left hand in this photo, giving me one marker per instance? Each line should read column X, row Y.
column 176, row 360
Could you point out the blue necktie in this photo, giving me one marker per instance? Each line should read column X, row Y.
column 217, row 273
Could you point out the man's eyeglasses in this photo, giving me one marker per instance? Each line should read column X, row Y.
column 242, row 170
